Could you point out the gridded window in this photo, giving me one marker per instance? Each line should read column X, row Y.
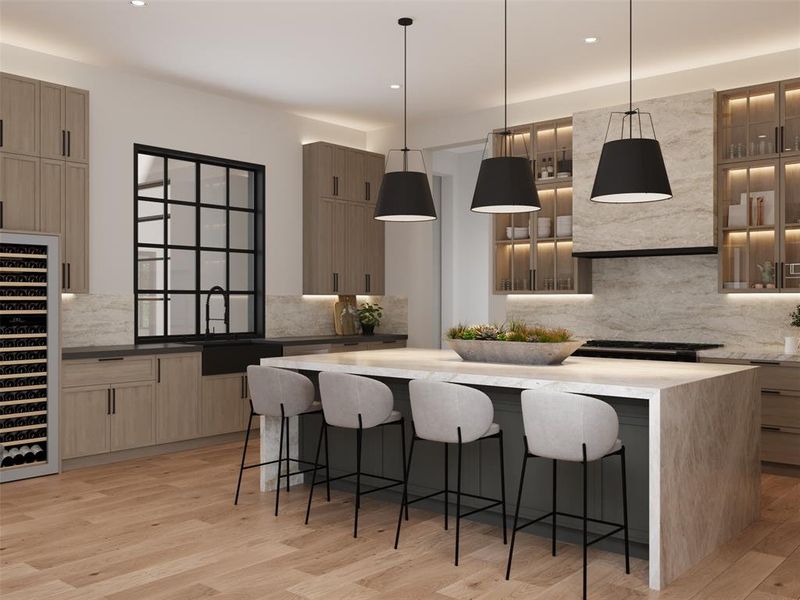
column 199, row 238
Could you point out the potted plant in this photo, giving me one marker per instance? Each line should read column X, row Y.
column 369, row 315
column 791, row 343
column 515, row 342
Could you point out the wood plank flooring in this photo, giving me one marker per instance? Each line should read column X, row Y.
column 165, row 528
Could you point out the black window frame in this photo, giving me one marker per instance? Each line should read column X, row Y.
column 200, row 294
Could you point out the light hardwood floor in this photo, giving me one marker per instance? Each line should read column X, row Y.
column 165, row 527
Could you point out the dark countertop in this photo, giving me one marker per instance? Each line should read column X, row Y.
column 306, row 340
column 126, row 350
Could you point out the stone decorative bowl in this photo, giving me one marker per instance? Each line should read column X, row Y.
column 515, row 353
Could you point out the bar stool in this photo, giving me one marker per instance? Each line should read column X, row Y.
column 452, row 414
column 285, row 394
column 575, row 428
column 355, row 402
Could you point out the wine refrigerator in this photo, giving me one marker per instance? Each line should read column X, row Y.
column 30, row 354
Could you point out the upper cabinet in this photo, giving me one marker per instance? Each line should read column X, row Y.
column 533, row 251
column 44, row 171
column 19, row 119
column 343, row 246
column 758, row 188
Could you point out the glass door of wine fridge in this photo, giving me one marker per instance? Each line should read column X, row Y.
column 30, row 355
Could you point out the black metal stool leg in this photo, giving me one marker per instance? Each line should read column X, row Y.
column 327, row 461
column 403, row 448
column 446, row 488
column 625, row 512
column 359, row 435
column 316, row 466
column 280, row 463
column 585, row 533
column 458, row 497
column 404, row 501
column 503, row 488
column 244, row 452
column 288, row 462
column 516, row 510
column 555, row 494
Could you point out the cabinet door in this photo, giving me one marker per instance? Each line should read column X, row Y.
column 332, row 165
column 374, row 251
column 76, row 123
column 132, row 422
column 177, row 397
column 790, row 117
column 85, row 421
column 790, row 209
column 222, row 404
column 323, row 263
column 355, row 176
column 355, row 280
column 19, row 115
column 52, row 196
column 75, row 228
column 52, row 128
column 374, row 176
column 19, row 191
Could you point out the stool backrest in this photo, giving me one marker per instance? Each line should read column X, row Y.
column 346, row 396
column 557, row 424
column 270, row 387
column 439, row 409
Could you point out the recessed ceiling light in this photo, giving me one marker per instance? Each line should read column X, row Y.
column 590, row 40
column 395, row 86
column 138, row 3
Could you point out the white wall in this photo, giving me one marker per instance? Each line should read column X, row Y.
column 125, row 109
column 405, row 269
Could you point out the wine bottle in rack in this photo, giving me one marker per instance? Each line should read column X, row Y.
column 7, row 459
column 38, row 452
column 16, row 456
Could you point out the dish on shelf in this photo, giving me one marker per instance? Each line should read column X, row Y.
column 517, row 233
column 564, row 225
column 735, row 285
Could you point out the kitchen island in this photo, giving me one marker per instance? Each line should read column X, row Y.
column 691, row 429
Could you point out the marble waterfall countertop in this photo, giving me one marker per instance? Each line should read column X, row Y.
column 600, row 376
column 703, row 431
column 757, row 354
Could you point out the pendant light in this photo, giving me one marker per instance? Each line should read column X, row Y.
column 631, row 169
column 505, row 183
column 405, row 195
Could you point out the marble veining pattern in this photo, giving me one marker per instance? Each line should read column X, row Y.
column 684, row 126
column 96, row 319
column 664, row 298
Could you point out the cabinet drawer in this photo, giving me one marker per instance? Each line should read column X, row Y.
column 780, row 408
column 780, row 446
column 385, row 345
column 779, row 378
column 102, row 371
column 306, row 349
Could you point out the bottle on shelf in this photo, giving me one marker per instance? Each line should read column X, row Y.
column 550, row 168
column 7, row 460
column 38, row 452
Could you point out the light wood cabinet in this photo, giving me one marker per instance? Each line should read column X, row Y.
column 19, row 119
column 108, row 371
column 19, row 191
column 76, row 227
column 343, row 253
column 53, row 135
column 52, row 202
column 76, row 124
column 178, row 397
column 222, row 404
column 84, row 421
column 132, row 423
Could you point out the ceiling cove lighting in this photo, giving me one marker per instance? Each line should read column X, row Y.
column 138, row 3
column 631, row 169
column 590, row 40
column 505, row 183
column 405, row 195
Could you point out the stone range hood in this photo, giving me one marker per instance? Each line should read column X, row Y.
column 684, row 224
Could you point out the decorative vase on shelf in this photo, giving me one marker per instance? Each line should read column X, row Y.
column 791, row 344
column 368, row 329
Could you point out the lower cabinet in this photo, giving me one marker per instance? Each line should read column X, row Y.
column 222, row 404
column 177, row 397
column 99, row 419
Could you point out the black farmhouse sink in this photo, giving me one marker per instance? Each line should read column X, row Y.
column 234, row 356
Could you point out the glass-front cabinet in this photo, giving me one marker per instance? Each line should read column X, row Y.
column 758, row 188
column 533, row 251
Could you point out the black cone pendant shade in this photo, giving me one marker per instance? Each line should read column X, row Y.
column 405, row 195
column 631, row 169
column 505, row 183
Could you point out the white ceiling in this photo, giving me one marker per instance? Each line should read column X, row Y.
column 334, row 60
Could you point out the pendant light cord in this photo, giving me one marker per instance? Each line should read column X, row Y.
column 405, row 88
column 505, row 66
column 630, row 66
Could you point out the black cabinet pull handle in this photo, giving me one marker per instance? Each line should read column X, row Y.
column 783, row 143
column 63, row 276
column 335, row 282
column 1, row 132
column 113, row 401
column 111, row 358
column 768, row 428
column 367, row 191
column 764, row 362
column 367, row 282
column 69, row 277
column 69, row 143
column 1, row 214
column 63, row 142
column 775, row 392
column 108, row 401
column 335, row 185
column 158, row 374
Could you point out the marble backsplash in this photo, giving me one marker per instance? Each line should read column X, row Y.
column 668, row 298
column 107, row 319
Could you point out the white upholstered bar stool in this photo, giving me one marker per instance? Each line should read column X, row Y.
column 355, row 402
column 280, row 394
column 452, row 414
column 575, row 428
